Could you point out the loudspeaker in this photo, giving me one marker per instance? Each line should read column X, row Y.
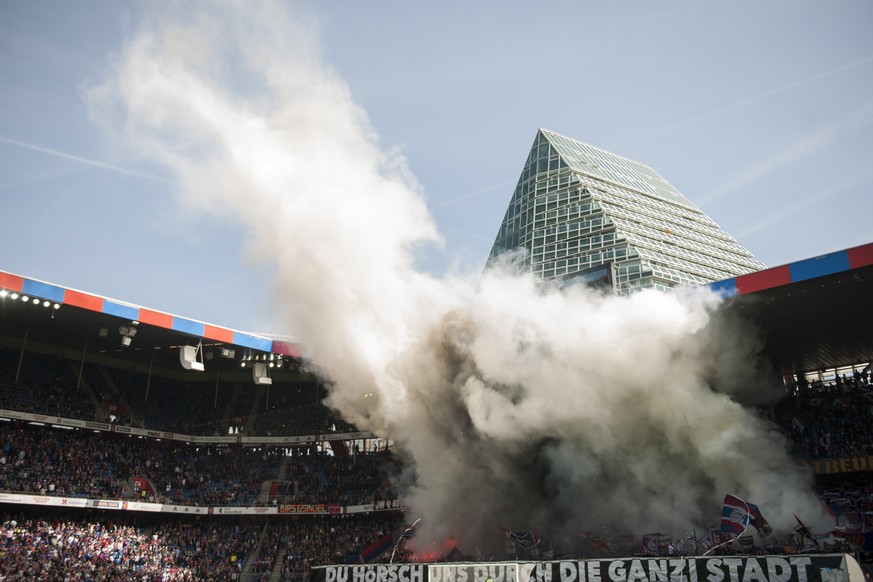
column 188, row 358
column 260, row 374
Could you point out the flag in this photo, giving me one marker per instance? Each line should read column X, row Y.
column 650, row 544
column 456, row 555
column 526, row 539
column 735, row 516
column 758, row 522
column 804, row 531
column 373, row 551
column 863, row 541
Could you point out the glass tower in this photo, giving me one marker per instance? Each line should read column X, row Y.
column 580, row 211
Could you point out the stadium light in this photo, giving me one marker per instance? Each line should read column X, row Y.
column 14, row 295
column 127, row 332
column 3, row 292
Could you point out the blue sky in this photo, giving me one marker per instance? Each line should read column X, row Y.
column 760, row 113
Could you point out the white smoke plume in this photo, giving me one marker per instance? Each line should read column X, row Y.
column 515, row 405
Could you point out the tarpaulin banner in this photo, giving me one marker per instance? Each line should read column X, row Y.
column 801, row 568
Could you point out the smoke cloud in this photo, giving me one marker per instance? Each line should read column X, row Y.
column 515, row 405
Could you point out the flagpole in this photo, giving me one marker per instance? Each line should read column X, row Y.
column 742, row 533
column 400, row 539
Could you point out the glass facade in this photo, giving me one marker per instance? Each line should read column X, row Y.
column 577, row 207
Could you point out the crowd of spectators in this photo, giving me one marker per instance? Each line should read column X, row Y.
column 350, row 480
column 828, row 420
column 335, row 540
column 285, row 415
column 850, row 502
column 79, row 463
column 819, row 420
column 200, row 475
column 45, row 385
column 65, row 544
column 262, row 567
column 70, row 545
column 53, row 462
column 53, row 386
column 163, row 404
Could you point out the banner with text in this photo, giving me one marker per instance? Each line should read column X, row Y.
column 316, row 508
column 120, row 504
column 194, row 439
column 801, row 568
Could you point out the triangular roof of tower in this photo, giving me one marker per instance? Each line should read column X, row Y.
column 609, row 167
column 577, row 206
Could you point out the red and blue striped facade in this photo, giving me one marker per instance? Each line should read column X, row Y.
column 819, row 266
column 41, row 290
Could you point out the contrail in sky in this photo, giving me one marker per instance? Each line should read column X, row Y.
column 470, row 194
column 815, row 197
column 79, row 159
column 744, row 102
column 818, row 140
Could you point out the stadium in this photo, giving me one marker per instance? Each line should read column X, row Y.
column 121, row 456
column 144, row 445
column 266, row 314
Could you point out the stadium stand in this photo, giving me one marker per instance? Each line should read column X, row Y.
column 46, row 385
column 117, row 464
column 827, row 421
column 97, row 465
column 821, row 421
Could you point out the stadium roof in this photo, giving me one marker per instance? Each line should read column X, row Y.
column 814, row 314
column 84, row 319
